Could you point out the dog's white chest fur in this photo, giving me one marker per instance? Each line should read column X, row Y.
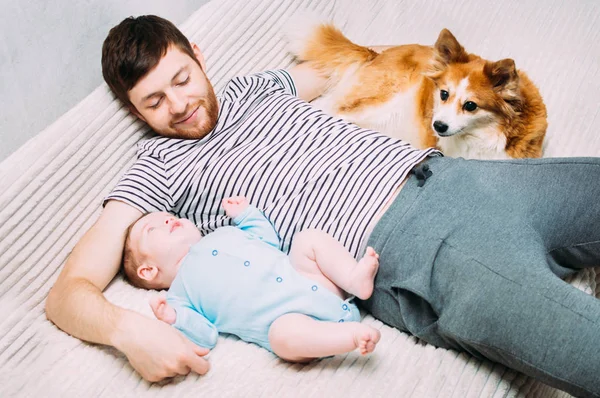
column 487, row 144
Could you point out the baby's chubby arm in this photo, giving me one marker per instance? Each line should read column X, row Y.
column 181, row 316
column 249, row 219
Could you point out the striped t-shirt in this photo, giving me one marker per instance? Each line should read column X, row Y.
column 300, row 166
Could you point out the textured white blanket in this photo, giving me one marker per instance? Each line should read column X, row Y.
column 51, row 191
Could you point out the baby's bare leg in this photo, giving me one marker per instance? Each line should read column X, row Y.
column 300, row 338
column 319, row 256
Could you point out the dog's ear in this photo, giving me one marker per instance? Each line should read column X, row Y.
column 501, row 73
column 504, row 78
column 449, row 50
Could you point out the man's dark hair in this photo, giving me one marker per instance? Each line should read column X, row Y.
column 134, row 47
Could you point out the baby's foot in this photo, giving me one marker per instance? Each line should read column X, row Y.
column 366, row 338
column 363, row 275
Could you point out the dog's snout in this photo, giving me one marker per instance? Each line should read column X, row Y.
column 440, row 127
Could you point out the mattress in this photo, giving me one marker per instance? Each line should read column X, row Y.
column 52, row 188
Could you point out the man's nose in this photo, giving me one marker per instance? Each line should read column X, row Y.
column 177, row 104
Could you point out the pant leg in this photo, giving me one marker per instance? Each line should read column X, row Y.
column 466, row 264
column 539, row 326
column 530, row 321
column 557, row 197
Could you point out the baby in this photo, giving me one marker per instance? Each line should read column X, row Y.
column 236, row 280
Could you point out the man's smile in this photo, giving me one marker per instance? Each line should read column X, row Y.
column 189, row 118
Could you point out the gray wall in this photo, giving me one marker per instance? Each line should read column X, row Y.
column 50, row 56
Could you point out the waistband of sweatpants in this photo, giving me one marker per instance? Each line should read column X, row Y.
column 406, row 198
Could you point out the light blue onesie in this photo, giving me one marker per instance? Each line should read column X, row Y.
column 236, row 280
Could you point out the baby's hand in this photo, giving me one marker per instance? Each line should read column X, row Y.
column 162, row 310
column 235, row 206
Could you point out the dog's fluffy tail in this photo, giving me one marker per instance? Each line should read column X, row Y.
column 312, row 39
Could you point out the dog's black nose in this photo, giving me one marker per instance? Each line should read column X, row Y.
column 440, row 127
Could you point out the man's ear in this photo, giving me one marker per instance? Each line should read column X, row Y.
column 147, row 272
column 199, row 56
column 133, row 110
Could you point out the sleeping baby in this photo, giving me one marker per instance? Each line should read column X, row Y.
column 236, row 280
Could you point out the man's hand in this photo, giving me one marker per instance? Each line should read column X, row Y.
column 76, row 304
column 235, row 206
column 157, row 350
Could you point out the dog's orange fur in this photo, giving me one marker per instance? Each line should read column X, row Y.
column 362, row 79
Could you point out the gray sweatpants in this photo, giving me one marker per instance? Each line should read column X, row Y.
column 472, row 261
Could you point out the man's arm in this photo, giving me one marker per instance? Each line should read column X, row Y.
column 77, row 306
column 75, row 303
column 308, row 81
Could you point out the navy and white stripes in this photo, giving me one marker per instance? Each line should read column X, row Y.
column 302, row 167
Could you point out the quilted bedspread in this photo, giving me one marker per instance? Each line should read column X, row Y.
column 52, row 188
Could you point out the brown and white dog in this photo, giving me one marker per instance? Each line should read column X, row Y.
column 429, row 96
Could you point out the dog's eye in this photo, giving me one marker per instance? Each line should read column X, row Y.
column 469, row 106
column 444, row 95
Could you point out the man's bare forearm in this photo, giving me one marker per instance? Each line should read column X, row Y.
column 308, row 81
column 80, row 309
column 76, row 303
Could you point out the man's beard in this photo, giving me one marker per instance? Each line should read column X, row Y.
column 208, row 113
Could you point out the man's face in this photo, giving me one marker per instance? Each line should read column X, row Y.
column 175, row 98
column 162, row 240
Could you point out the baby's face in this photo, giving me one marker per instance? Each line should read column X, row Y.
column 162, row 240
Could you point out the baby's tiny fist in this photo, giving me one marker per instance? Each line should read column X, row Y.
column 243, row 202
column 235, row 206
